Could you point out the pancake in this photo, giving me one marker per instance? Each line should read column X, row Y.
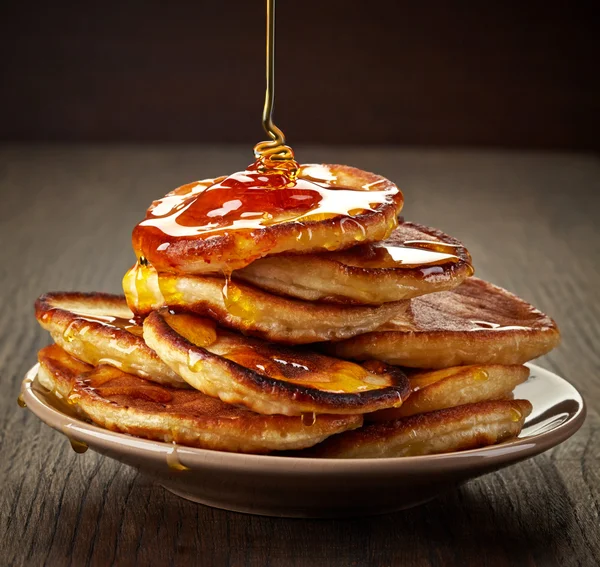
column 433, row 390
column 476, row 323
column 219, row 225
column 128, row 404
column 414, row 260
column 98, row 328
column 262, row 314
column 266, row 377
column 444, row 431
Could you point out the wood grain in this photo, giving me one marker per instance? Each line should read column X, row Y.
column 530, row 221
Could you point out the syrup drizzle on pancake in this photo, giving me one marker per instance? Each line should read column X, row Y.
column 251, row 200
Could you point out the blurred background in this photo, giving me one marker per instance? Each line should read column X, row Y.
column 492, row 74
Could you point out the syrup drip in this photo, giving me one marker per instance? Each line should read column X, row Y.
column 480, row 375
column 141, row 288
column 273, row 154
column 173, row 461
column 515, row 415
column 129, row 325
column 21, row 401
column 78, row 446
column 235, row 301
column 308, row 419
column 415, row 449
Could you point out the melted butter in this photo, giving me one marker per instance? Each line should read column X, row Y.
column 254, row 199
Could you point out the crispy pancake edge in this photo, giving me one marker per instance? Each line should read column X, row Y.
column 242, row 386
column 466, row 386
column 248, row 433
column 468, row 427
column 445, row 348
column 272, row 317
column 100, row 341
column 403, row 283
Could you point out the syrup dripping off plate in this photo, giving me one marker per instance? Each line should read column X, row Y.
column 319, row 488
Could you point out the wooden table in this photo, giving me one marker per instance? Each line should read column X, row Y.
column 531, row 222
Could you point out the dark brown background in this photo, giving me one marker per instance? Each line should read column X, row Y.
column 513, row 74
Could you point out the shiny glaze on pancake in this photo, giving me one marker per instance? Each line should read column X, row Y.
column 432, row 390
column 266, row 377
column 444, row 431
column 259, row 313
column 414, row 260
column 476, row 323
column 129, row 404
column 216, row 226
column 99, row 328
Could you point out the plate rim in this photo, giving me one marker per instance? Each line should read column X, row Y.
column 513, row 450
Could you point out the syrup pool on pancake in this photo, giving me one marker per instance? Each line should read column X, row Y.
column 216, row 227
column 273, row 206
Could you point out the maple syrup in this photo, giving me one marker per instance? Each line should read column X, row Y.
column 410, row 254
column 274, row 361
column 21, row 401
column 141, row 287
column 271, row 191
column 173, row 461
column 318, row 372
column 252, row 200
column 79, row 447
column 129, row 325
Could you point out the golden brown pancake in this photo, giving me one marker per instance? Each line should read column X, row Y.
column 266, row 377
column 444, row 431
column 414, row 260
column 237, row 229
column 432, row 390
column 129, row 404
column 259, row 313
column 476, row 323
column 98, row 328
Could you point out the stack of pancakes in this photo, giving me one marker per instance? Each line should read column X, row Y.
column 319, row 333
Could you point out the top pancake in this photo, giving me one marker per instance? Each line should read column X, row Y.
column 414, row 260
column 476, row 323
column 218, row 225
